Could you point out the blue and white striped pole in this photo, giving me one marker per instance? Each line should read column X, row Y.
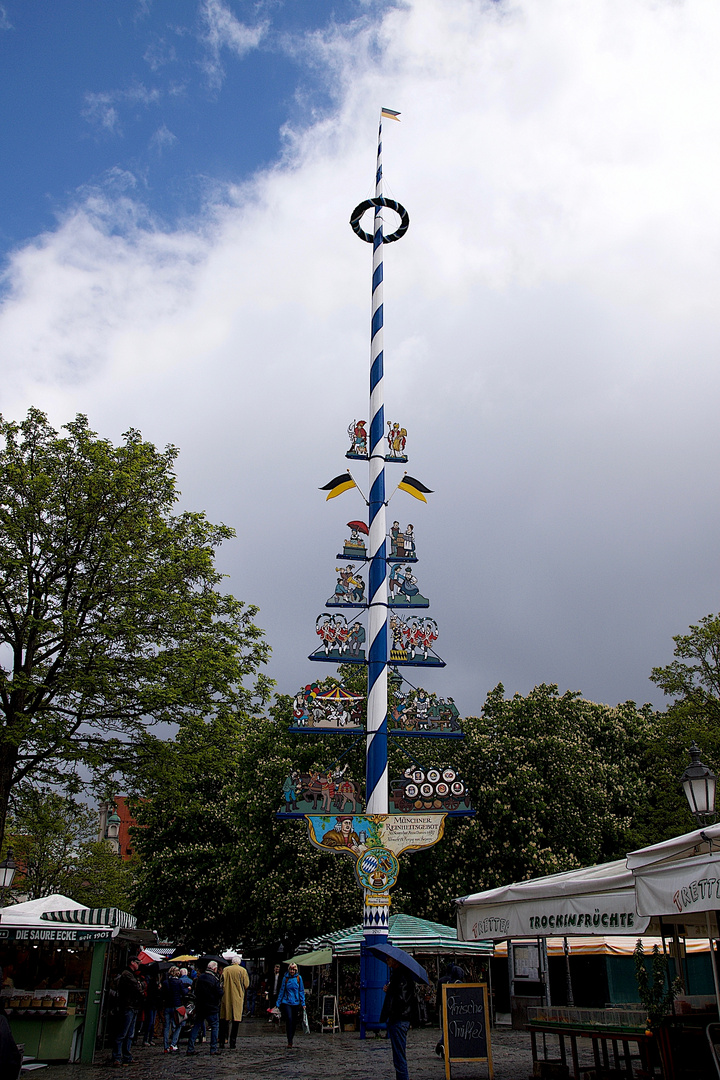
column 376, row 771
column 374, row 973
column 376, row 908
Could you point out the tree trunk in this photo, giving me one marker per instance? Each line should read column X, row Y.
column 8, row 758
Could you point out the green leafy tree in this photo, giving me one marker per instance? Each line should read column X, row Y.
column 216, row 865
column 110, row 612
column 692, row 682
column 54, row 839
column 555, row 780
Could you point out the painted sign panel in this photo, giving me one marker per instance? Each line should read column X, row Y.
column 320, row 711
column 437, row 790
column 466, row 1024
column 412, row 640
column 320, row 790
column 359, row 833
column 418, row 712
column 341, row 641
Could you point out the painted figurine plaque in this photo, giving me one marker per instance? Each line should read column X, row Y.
column 396, row 439
column 320, row 791
column 357, row 432
column 318, row 711
column 341, row 641
column 418, row 712
column 403, row 588
column 355, row 547
column 436, row 790
column 349, row 588
column 412, row 641
column 402, row 543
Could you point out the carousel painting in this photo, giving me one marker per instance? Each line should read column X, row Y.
column 412, row 641
column 323, row 711
column 438, row 790
column 355, row 547
column 418, row 712
column 321, row 791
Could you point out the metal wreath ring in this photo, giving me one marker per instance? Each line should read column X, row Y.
column 391, row 205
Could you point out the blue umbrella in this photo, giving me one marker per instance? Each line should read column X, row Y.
column 386, row 951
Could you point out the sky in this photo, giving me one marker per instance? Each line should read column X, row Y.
column 177, row 181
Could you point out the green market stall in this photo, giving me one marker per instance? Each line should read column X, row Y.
column 54, row 957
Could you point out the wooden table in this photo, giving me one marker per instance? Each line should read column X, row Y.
column 611, row 1046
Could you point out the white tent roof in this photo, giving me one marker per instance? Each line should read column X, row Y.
column 31, row 911
column 606, row 877
column 595, row 899
column 689, row 844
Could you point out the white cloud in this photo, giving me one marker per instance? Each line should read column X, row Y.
column 552, row 335
column 222, row 30
column 5, row 23
column 102, row 112
column 162, row 139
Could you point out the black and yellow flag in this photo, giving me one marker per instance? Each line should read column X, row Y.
column 336, row 487
column 414, row 487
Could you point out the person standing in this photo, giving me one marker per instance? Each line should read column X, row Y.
column 130, row 999
column 291, row 1001
column 399, row 1011
column 10, row 1053
column 208, row 995
column 235, row 981
column 273, row 989
column 174, row 995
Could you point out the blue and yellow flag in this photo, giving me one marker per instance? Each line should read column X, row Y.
column 390, row 114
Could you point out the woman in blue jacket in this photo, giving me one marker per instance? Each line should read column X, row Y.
column 291, row 1001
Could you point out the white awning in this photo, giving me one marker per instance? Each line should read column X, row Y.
column 595, row 899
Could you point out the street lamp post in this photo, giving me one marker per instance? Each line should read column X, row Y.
column 7, row 871
column 698, row 782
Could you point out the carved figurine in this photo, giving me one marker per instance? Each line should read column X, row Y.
column 402, row 544
column 358, row 439
column 355, row 548
column 396, row 439
column 403, row 586
column 350, row 588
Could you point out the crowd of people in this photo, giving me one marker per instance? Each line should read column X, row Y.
column 213, row 1001
column 145, row 1002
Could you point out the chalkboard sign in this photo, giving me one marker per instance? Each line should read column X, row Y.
column 466, row 1024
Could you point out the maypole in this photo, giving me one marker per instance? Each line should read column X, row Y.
column 376, row 917
column 409, row 813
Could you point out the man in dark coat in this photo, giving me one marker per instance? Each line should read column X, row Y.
column 399, row 1010
column 208, row 995
column 130, row 998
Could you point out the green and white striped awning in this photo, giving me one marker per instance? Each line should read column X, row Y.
column 418, row 936
column 99, row 916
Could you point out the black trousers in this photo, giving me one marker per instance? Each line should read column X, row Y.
column 292, row 1014
column 233, row 1025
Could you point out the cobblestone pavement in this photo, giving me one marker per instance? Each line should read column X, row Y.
column 261, row 1052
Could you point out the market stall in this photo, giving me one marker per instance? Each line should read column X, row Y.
column 54, row 957
column 419, row 937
